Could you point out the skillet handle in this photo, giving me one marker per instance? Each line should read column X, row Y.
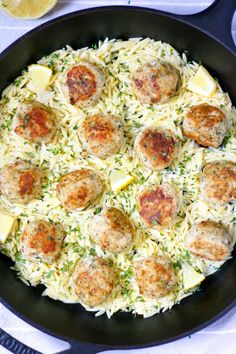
column 215, row 21
column 13, row 345
column 17, row 347
column 85, row 348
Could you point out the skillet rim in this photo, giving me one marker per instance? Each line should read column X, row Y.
column 118, row 347
column 179, row 18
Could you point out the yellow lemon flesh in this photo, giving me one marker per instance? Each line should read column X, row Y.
column 202, row 83
column 40, row 77
column 191, row 277
column 7, row 222
column 27, row 9
column 119, row 180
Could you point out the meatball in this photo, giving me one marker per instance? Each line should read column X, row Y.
column 209, row 240
column 21, row 182
column 205, row 124
column 156, row 83
column 102, row 135
column 112, row 230
column 78, row 189
column 94, row 281
column 155, row 276
column 83, row 84
column 156, row 148
column 35, row 123
column 218, row 182
column 42, row 240
column 158, row 206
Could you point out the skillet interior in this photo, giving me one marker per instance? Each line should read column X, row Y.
column 218, row 291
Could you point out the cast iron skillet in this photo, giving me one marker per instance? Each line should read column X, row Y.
column 207, row 38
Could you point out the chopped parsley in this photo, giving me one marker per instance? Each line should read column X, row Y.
column 155, row 221
column 92, row 252
column 138, row 125
column 66, row 266
column 97, row 210
column 50, row 273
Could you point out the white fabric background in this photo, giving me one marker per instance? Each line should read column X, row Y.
column 219, row 338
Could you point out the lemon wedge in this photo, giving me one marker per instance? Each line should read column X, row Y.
column 202, row 83
column 191, row 277
column 7, row 223
column 27, row 9
column 119, row 180
column 40, row 77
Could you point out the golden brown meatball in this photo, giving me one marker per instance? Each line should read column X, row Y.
column 94, row 281
column 21, row 182
column 205, row 124
column 112, row 230
column 156, row 83
column 156, row 148
column 42, row 240
column 83, row 84
column 78, row 189
column 35, row 123
column 158, row 206
column 218, row 182
column 102, row 135
column 155, row 276
column 209, row 240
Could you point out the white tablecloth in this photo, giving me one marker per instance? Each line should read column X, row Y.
column 219, row 338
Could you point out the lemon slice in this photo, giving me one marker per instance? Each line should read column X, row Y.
column 191, row 278
column 119, row 180
column 7, row 222
column 202, row 83
column 40, row 77
column 27, row 9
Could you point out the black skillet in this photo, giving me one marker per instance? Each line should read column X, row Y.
column 207, row 38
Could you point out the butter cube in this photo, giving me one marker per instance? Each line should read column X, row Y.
column 7, row 223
